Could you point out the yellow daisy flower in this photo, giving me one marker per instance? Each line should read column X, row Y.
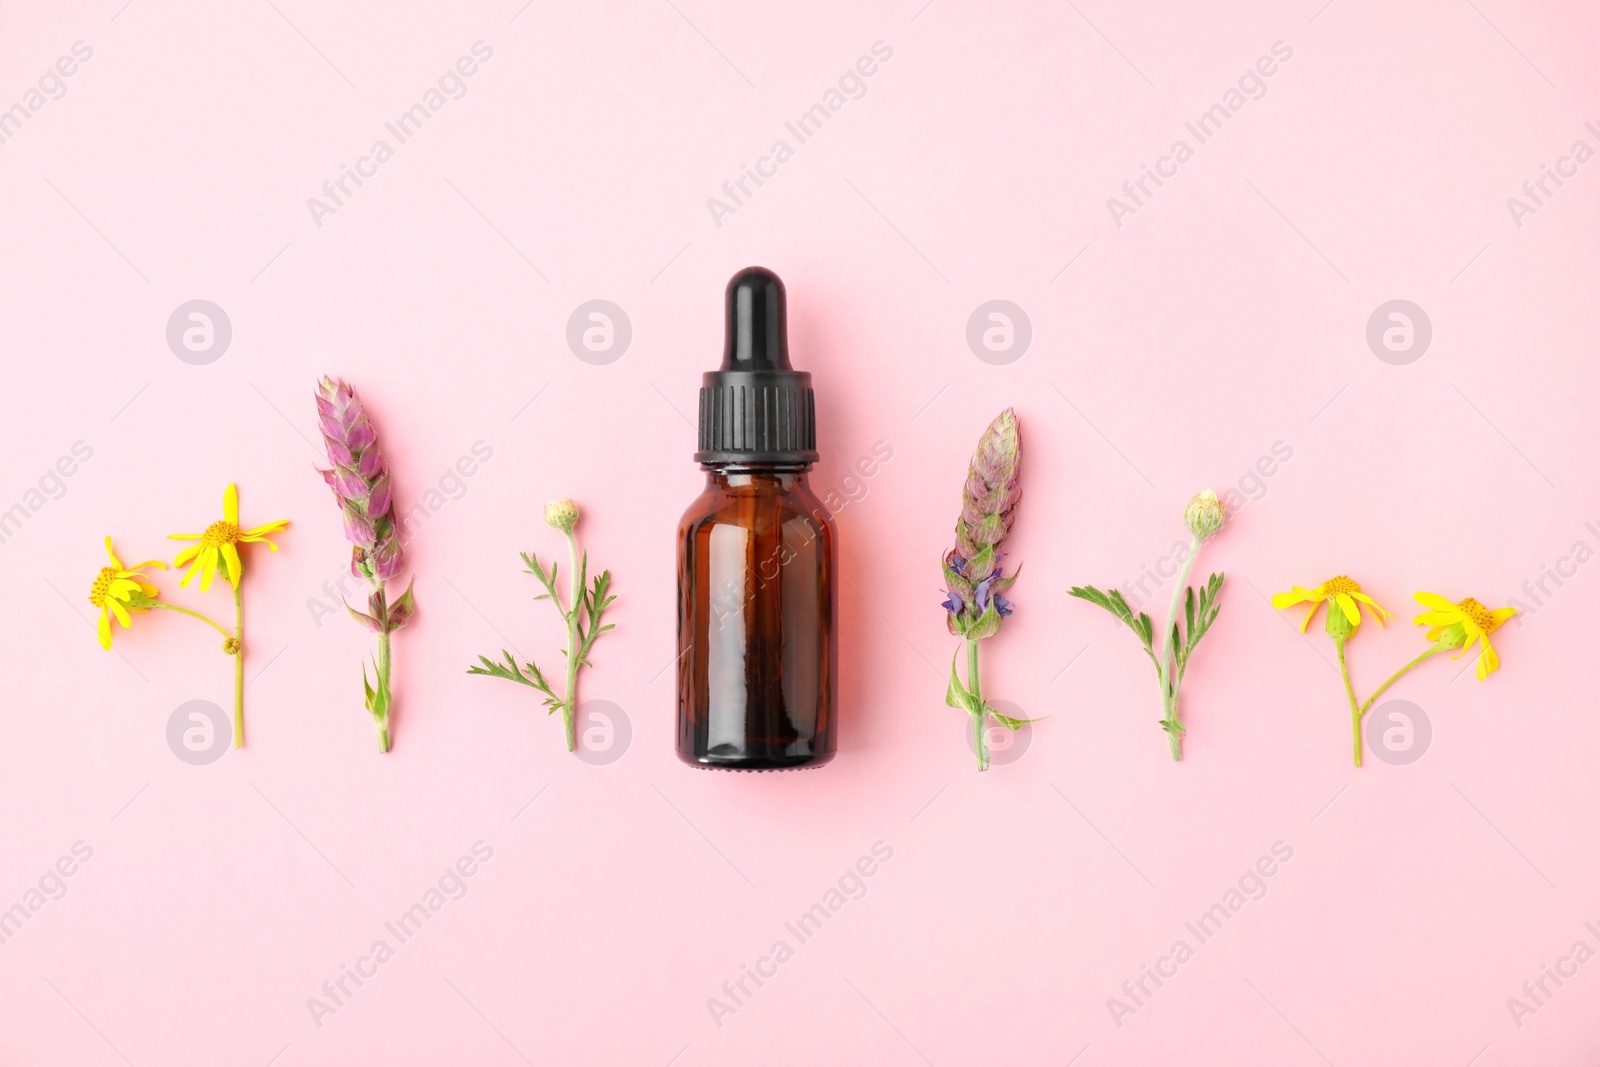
column 1342, row 594
column 119, row 590
column 219, row 545
column 1461, row 624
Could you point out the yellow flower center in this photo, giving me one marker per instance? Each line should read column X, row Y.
column 1341, row 584
column 219, row 534
column 1480, row 616
column 102, row 584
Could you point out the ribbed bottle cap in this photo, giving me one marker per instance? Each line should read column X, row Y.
column 756, row 409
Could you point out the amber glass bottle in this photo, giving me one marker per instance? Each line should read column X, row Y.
column 757, row 666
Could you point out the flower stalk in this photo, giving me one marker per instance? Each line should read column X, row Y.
column 359, row 479
column 586, row 605
column 1180, row 635
column 1454, row 626
column 973, row 574
column 214, row 550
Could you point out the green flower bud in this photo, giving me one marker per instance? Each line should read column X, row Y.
column 561, row 514
column 1204, row 515
column 1339, row 628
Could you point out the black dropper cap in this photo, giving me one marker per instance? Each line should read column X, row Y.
column 756, row 410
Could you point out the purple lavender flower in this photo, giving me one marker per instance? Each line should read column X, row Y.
column 972, row 570
column 359, row 479
column 973, row 575
column 360, row 482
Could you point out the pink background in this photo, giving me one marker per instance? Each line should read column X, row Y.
column 1170, row 353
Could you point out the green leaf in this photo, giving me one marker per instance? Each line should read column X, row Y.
column 1007, row 721
column 955, row 694
column 1096, row 597
column 1117, row 604
column 1205, row 613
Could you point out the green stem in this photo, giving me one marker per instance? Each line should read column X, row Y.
column 383, row 688
column 217, row 626
column 569, row 707
column 1167, row 667
column 1396, row 676
column 1356, row 711
column 1177, row 597
column 980, row 735
column 238, row 666
column 1174, row 731
column 383, row 697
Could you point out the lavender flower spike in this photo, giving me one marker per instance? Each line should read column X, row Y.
column 359, row 479
column 972, row 570
column 973, row 575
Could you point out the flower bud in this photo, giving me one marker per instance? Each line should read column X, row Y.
column 1338, row 627
column 1204, row 515
column 561, row 514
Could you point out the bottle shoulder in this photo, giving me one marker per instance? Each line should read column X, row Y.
column 751, row 506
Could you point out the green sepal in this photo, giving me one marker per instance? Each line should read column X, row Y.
column 981, row 564
column 956, row 584
column 987, row 625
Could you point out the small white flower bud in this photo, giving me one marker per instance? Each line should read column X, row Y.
column 1205, row 514
column 561, row 514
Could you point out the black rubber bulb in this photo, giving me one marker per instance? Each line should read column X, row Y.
column 757, row 338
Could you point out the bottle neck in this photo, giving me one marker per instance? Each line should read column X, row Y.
column 781, row 478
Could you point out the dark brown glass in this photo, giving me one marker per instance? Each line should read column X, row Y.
column 757, row 667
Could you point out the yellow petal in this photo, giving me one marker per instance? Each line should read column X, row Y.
column 104, row 628
column 186, row 555
column 194, row 569
column 115, row 562
column 230, row 504
column 149, row 590
column 184, row 537
column 1432, row 600
column 1500, row 615
column 1348, row 606
column 120, row 612
column 1488, row 661
column 1378, row 611
column 1307, row 620
column 208, row 567
column 147, row 563
column 235, row 569
column 121, row 588
column 271, row 527
column 1437, row 618
column 1289, row 599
